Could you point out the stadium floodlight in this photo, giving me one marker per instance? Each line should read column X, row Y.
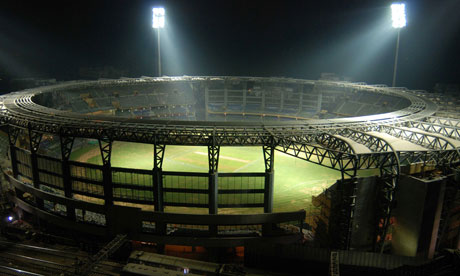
column 398, row 16
column 158, row 23
column 158, row 18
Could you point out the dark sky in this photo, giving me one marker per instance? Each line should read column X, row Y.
column 297, row 39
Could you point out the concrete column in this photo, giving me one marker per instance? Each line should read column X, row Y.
column 213, row 191
column 107, row 182
column 67, row 187
column 14, row 167
column 14, row 161
column 158, row 189
column 36, row 177
column 269, row 159
column 268, row 191
column 213, row 202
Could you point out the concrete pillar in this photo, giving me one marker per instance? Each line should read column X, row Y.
column 158, row 189
column 213, row 202
column 67, row 187
column 36, row 177
column 107, row 182
column 213, row 191
column 14, row 161
column 14, row 167
column 268, row 191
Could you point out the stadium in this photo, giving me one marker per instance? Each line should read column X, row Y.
column 191, row 161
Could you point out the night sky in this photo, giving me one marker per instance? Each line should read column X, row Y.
column 300, row 39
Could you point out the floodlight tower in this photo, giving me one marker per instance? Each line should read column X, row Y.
column 398, row 16
column 158, row 23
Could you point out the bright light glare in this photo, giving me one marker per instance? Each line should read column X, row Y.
column 10, row 218
column 398, row 15
column 158, row 18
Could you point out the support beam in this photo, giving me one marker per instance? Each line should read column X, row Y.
column 332, row 142
column 213, row 160
column 213, row 155
column 269, row 158
column 158, row 156
column 419, row 137
column 433, row 141
column 389, row 165
column 373, row 143
column 352, row 204
column 34, row 143
column 213, row 193
column 206, row 101
column 66, row 146
column 66, row 150
column 444, row 121
column 13, row 134
column 346, row 191
column 389, row 177
column 337, row 154
column 446, row 130
column 381, row 147
column 347, row 188
column 105, row 146
column 326, row 150
column 317, row 154
column 34, row 140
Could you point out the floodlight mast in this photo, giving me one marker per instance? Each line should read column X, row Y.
column 398, row 16
column 158, row 23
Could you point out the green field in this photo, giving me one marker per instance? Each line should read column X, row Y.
column 295, row 180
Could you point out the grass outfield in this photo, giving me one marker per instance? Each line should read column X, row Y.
column 295, row 180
